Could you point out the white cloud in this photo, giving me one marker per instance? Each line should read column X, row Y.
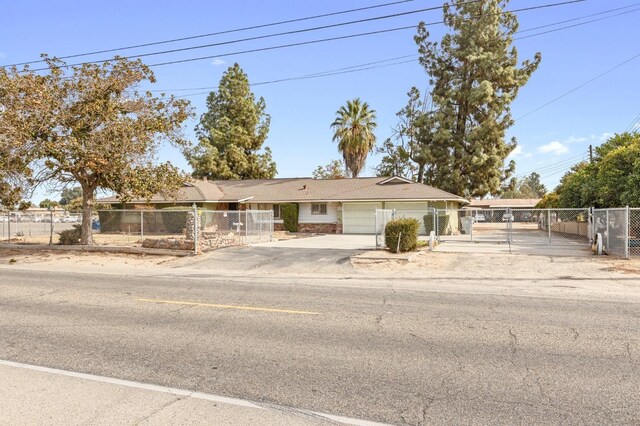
column 217, row 62
column 555, row 147
column 574, row 139
column 518, row 152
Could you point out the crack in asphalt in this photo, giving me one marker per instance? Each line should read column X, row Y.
column 513, row 344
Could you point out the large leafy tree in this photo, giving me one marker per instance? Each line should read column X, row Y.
column 89, row 125
column 353, row 130
column 527, row 187
column 611, row 180
column 334, row 170
column 232, row 133
column 69, row 194
column 475, row 76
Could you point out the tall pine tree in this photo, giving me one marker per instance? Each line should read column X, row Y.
column 475, row 76
column 232, row 132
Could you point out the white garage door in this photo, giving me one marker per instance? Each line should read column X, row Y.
column 414, row 210
column 359, row 218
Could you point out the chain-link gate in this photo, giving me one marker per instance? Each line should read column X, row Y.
column 515, row 226
column 382, row 218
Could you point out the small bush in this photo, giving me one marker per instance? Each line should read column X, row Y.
column 289, row 213
column 70, row 237
column 406, row 231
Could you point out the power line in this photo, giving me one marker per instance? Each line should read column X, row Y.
column 577, row 25
column 261, row 37
column 310, row 76
column 578, row 18
column 610, row 70
column 301, row 43
column 634, row 124
column 335, row 71
column 564, row 164
column 235, row 30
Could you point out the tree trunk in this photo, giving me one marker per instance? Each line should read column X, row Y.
column 88, row 195
column 420, row 172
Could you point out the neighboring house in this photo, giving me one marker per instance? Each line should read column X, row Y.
column 325, row 205
column 505, row 203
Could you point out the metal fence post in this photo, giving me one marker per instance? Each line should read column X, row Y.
column 141, row 224
column 51, row 225
column 435, row 220
column 195, row 228
column 9, row 226
column 626, row 234
column 549, row 224
column 607, row 248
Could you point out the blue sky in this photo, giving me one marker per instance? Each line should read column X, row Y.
column 301, row 111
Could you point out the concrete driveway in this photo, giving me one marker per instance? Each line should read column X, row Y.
column 329, row 241
column 329, row 254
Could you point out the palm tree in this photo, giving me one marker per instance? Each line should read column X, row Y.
column 353, row 130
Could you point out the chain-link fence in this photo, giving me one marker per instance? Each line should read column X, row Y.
column 526, row 227
column 634, row 232
column 227, row 228
column 426, row 217
column 619, row 230
column 17, row 227
column 163, row 229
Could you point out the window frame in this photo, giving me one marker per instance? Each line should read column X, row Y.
column 321, row 207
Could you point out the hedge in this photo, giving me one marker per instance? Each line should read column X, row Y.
column 406, row 231
column 443, row 223
column 289, row 213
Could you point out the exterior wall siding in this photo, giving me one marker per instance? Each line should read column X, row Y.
column 305, row 216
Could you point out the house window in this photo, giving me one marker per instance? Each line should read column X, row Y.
column 319, row 208
column 276, row 211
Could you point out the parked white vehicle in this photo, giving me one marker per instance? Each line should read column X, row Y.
column 479, row 218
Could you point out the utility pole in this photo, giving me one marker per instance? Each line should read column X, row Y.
column 590, row 153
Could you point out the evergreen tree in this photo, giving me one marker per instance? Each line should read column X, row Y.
column 232, row 133
column 475, row 77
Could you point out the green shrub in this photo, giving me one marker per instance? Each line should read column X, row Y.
column 70, row 237
column 289, row 213
column 443, row 223
column 405, row 231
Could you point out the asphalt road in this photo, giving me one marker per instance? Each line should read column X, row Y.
column 398, row 356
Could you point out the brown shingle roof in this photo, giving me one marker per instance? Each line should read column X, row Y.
column 307, row 189
column 196, row 191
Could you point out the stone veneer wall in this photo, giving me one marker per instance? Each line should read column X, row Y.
column 208, row 239
column 316, row 228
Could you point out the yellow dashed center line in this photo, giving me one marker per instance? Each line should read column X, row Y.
column 242, row 308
